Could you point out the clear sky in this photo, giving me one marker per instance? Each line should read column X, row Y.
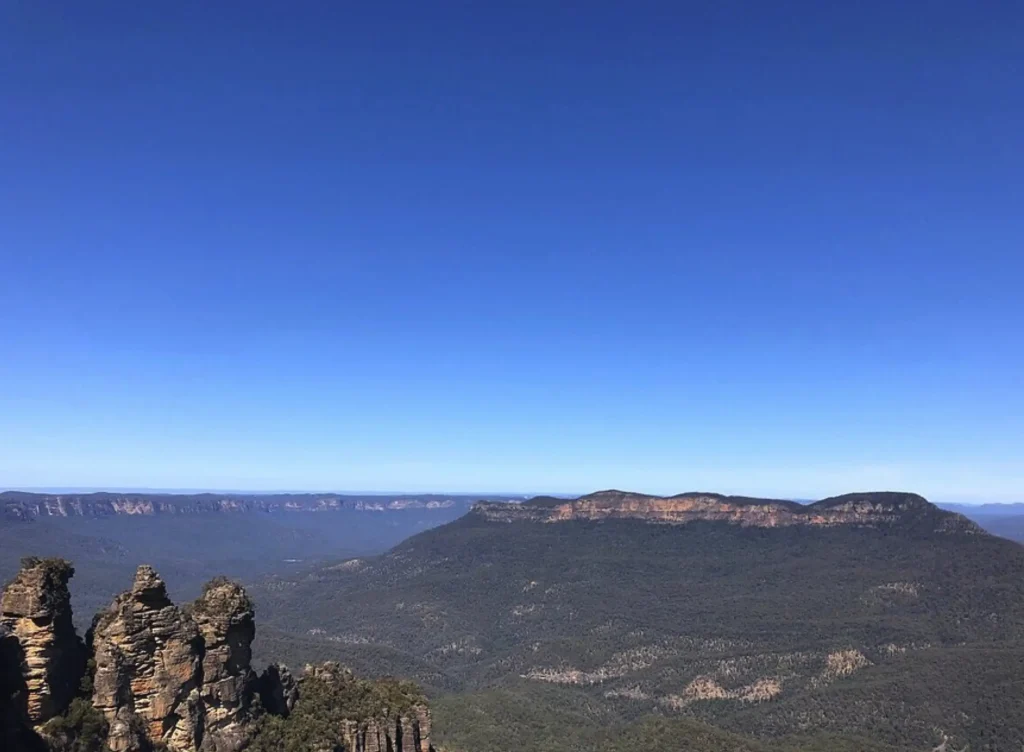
column 760, row 247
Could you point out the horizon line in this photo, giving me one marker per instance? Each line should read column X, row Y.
column 502, row 494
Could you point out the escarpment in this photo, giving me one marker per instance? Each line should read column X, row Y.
column 160, row 676
column 878, row 509
column 22, row 505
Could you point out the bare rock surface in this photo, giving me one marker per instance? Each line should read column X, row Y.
column 878, row 509
column 174, row 678
column 148, row 656
column 225, row 618
column 35, row 611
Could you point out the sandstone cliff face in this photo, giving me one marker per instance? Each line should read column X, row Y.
column 36, row 612
column 861, row 510
column 148, row 657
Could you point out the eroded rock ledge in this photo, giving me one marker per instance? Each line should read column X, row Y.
column 877, row 509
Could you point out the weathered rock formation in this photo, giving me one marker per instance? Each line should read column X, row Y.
column 36, row 612
column 175, row 678
column 15, row 732
column 408, row 732
column 860, row 510
column 148, row 657
column 224, row 615
column 386, row 716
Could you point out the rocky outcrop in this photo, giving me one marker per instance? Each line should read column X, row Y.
column 148, row 677
column 382, row 716
column 859, row 510
column 407, row 732
column 176, row 679
column 224, row 615
column 40, row 642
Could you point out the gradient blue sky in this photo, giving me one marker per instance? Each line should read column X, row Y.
column 771, row 248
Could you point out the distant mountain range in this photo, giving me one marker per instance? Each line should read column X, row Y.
column 23, row 505
column 872, row 621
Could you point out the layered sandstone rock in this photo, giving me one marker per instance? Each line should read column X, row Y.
column 224, row 615
column 385, row 716
column 408, row 732
column 859, row 510
column 415, row 729
column 148, row 677
column 45, row 654
column 177, row 679
column 15, row 731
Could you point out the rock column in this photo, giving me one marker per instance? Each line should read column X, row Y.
column 36, row 611
column 148, row 669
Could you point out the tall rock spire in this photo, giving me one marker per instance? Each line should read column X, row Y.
column 224, row 615
column 148, row 655
column 36, row 610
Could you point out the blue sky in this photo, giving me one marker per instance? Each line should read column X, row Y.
column 768, row 248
